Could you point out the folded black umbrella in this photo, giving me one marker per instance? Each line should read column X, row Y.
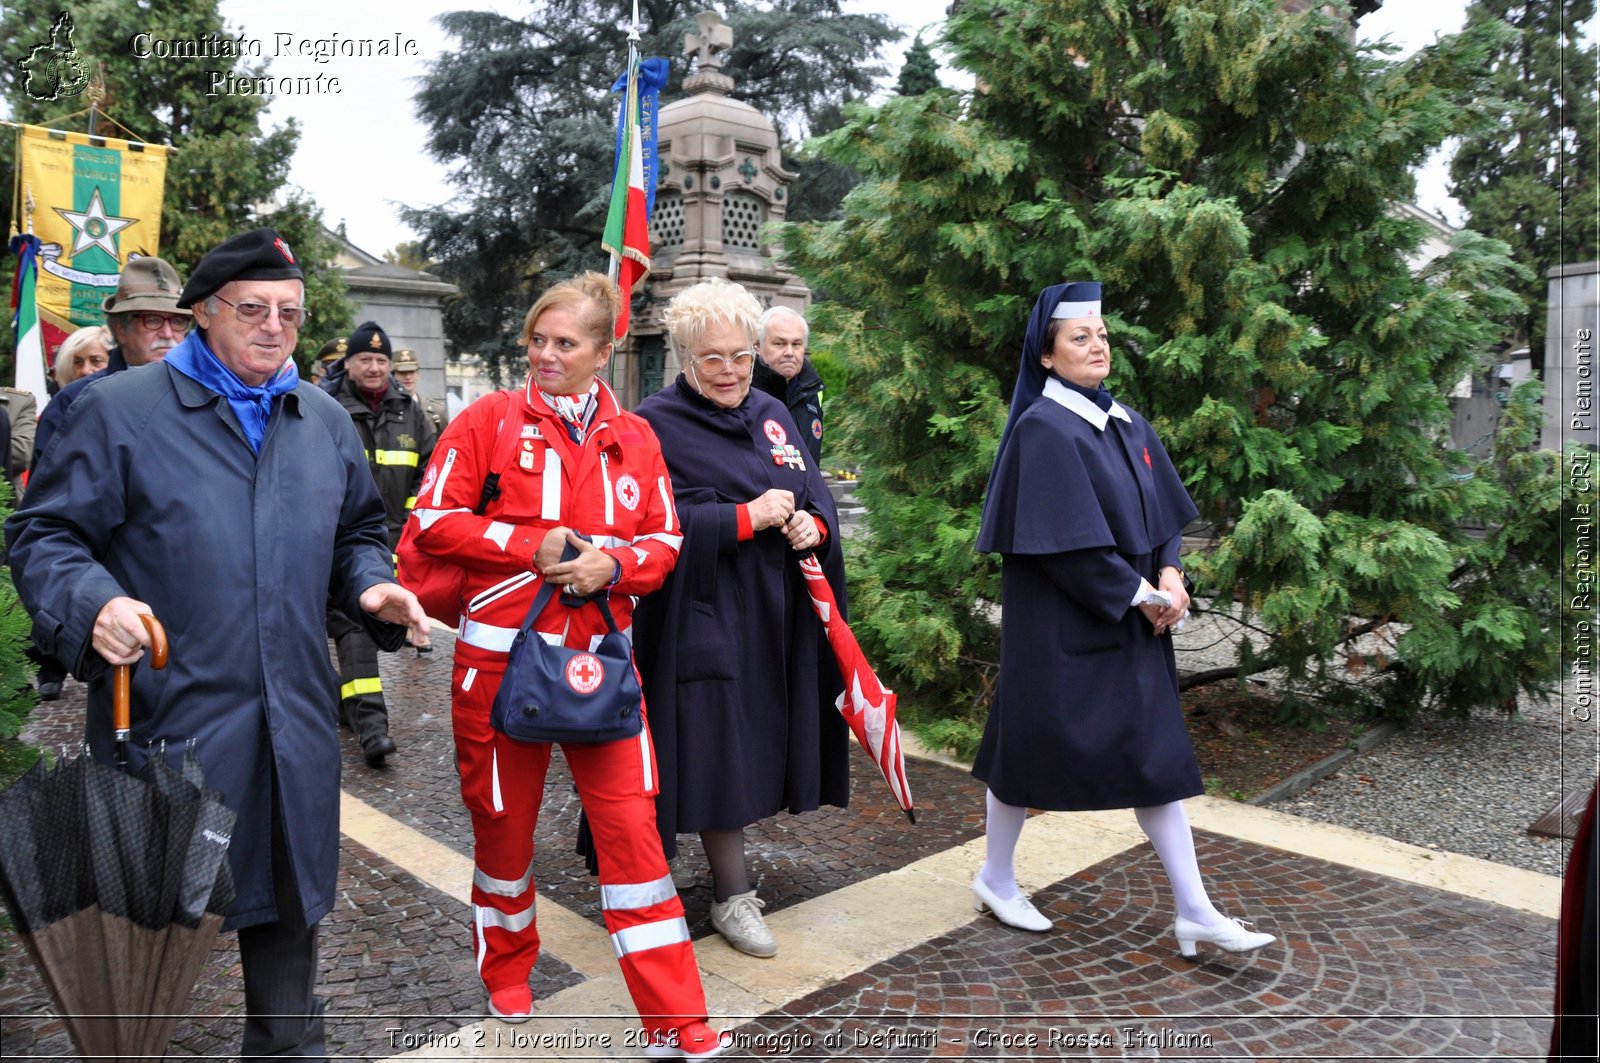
column 118, row 884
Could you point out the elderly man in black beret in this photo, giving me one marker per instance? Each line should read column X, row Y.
column 217, row 492
column 398, row 437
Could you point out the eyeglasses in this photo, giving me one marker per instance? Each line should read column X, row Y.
column 250, row 313
column 715, row 363
column 153, row 322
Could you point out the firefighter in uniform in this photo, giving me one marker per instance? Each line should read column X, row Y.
column 398, row 438
column 579, row 471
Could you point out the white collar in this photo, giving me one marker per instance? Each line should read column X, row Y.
column 1055, row 390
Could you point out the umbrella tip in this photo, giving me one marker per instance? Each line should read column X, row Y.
column 911, row 814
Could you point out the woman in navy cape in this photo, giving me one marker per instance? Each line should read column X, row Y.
column 741, row 701
column 1088, row 513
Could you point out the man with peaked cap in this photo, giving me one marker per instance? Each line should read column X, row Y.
column 145, row 321
column 219, row 493
column 328, row 354
column 398, row 439
column 407, row 370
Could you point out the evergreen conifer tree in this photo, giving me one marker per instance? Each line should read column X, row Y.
column 17, row 696
column 1530, row 180
column 1226, row 168
column 920, row 72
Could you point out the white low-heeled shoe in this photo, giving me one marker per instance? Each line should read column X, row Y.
column 1233, row 935
column 1018, row 911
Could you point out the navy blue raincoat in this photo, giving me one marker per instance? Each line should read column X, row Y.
column 1083, row 502
column 151, row 491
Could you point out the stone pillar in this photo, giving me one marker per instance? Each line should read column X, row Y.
column 1571, row 405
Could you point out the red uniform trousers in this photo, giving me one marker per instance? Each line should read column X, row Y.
column 502, row 783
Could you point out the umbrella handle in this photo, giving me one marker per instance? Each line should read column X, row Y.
column 122, row 679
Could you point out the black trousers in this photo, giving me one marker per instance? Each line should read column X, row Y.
column 360, row 688
column 283, row 1016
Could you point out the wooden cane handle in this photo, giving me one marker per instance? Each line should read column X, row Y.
column 122, row 678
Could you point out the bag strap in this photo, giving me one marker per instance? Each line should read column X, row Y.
column 505, row 443
column 547, row 590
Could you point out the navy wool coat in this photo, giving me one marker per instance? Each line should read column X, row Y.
column 741, row 712
column 1082, row 503
column 151, row 491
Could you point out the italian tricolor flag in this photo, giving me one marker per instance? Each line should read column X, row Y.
column 627, row 232
column 25, row 306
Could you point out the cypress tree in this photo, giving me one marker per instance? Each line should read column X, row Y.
column 1530, row 180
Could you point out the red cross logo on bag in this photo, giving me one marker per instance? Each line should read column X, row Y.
column 585, row 673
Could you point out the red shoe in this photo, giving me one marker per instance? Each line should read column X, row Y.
column 695, row 1040
column 512, row 1004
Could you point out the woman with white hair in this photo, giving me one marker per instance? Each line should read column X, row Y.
column 744, row 721
column 84, row 352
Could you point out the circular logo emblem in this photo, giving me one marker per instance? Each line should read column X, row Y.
column 816, row 427
column 628, row 492
column 775, row 432
column 585, row 672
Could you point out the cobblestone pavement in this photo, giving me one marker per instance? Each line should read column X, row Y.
column 1388, row 952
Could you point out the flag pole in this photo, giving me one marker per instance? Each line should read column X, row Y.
column 615, row 269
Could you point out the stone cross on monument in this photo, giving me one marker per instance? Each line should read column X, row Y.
column 707, row 46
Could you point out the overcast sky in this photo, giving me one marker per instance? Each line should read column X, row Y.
column 361, row 150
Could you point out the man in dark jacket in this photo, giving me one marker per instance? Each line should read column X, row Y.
column 784, row 372
column 145, row 321
column 398, row 438
column 220, row 494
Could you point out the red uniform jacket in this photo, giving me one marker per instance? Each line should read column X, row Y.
column 613, row 488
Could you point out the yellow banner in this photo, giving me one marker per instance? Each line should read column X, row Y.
column 94, row 203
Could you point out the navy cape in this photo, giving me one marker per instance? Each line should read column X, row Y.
column 1083, row 503
column 741, row 710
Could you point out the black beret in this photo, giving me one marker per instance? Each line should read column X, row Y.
column 369, row 338
column 260, row 255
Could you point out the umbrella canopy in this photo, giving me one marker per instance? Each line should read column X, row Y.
column 118, row 885
column 866, row 705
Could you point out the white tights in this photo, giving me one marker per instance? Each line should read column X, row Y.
column 1167, row 827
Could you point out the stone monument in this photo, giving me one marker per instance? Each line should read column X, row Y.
column 721, row 180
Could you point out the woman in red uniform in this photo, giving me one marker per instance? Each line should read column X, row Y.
column 586, row 474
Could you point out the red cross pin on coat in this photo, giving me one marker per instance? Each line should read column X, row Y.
column 1147, row 460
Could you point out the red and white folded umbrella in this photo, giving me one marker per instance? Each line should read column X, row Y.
column 866, row 704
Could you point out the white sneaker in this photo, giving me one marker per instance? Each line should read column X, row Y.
column 738, row 919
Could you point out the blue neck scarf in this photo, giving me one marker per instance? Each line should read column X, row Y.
column 1097, row 395
column 252, row 406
